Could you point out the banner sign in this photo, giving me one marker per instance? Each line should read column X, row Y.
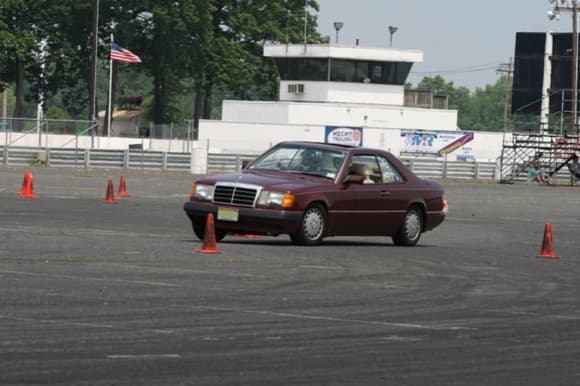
column 344, row 135
column 437, row 142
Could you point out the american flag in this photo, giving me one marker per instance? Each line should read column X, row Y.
column 120, row 54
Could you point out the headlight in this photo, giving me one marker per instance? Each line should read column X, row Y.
column 285, row 200
column 201, row 192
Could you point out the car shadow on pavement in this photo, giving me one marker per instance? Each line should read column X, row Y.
column 327, row 242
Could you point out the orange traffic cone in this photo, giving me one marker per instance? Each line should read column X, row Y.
column 547, row 247
column 110, row 198
column 209, row 242
column 27, row 189
column 123, row 188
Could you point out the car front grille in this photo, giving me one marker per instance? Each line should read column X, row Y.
column 235, row 194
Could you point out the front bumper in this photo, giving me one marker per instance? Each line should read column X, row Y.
column 250, row 220
column 434, row 219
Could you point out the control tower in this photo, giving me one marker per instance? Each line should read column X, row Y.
column 323, row 87
column 342, row 74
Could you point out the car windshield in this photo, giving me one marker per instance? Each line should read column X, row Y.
column 301, row 159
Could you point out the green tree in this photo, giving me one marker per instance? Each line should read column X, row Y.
column 486, row 108
column 159, row 32
column 61, row 28
column 17, row 43
column 230, row 52
column 459, row 98
column 482, row 110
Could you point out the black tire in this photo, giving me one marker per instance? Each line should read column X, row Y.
column 313, row 226
column 199, row 230
column 410, row 232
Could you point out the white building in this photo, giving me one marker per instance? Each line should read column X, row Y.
column 329, row 85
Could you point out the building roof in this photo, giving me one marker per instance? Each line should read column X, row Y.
column 336, row 51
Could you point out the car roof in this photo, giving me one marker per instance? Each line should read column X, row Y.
column 322, row 145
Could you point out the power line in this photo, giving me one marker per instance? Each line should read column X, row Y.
column 507, row 69
column 461, row 70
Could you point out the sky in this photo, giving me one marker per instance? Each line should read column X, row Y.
column 464, row 41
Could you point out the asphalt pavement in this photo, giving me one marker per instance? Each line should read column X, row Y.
column 115, row 294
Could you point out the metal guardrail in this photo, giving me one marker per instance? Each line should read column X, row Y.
column 227, row 163
column 438, row 169
column 95, row 158
column 224, row 163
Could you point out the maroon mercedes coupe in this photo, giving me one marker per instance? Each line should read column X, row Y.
column 312, row 190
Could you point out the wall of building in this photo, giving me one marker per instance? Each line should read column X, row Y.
column 220, row 136
column 343, row 92
column 255, row 111
column 338, row 114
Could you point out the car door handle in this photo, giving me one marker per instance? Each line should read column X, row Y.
column 385, row 193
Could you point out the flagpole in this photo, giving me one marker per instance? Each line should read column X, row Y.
column 110, row 102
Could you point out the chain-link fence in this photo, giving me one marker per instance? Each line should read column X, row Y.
column 13, row 130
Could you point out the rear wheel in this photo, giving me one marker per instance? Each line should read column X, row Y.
column 199, row 230
column 312, row 227
column 410, row 232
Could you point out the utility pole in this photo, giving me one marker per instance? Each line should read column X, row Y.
column 507, row 69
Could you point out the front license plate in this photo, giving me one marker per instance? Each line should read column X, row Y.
column 228, row 214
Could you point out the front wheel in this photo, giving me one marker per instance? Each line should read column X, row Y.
column 312, row 227
column 410, row 232
column 199, row 230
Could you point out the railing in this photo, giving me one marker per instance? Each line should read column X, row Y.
column 15, row 129
column 216, row 162
column 96, row 158
column 441, row 169
column 523, row 149
column 227, row 163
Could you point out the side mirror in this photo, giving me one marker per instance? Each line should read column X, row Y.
column 245, row 163
column 353, row 179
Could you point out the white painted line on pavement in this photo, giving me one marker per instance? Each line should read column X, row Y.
column 49, row 275
column 322, row 267
column 333, row 319
column 52, row 321
column 144, row 356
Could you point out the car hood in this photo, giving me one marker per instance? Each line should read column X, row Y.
column 270, row 180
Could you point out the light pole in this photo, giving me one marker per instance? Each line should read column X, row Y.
column 570, row 6
column 337, row 26
column 392, row 30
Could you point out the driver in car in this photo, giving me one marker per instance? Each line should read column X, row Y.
column 311, row 160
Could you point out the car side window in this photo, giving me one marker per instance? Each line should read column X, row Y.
column 388, row 173
column 366, row 166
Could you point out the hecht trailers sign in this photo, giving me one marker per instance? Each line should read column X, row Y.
column 344, row 135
